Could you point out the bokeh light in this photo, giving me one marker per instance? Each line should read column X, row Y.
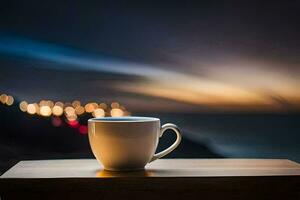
column 69, row 111
column 90, row 107
column 9, row 100
column 79, row 110
column 57, row 110
column 126, row 113
column 43, row 103
column 115, row 105
column 103, row 106
column 37, row 108
column 50, row 103
column 60, row 104
column 23, row 106
column 83, row 129
column 71, row 117
column 56, row 121
column 76, row 103
column 3, row 98
column 99, row 112
column 45, row 111
column 74, row 123
column 116, row 112
column 31, row 109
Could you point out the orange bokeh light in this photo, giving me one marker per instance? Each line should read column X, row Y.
column 90, row 107
column 9, row 100
column 79, row 110
column 45, row 111
column 60, row 104
column 23, row 106
column 3, row 98
column 116, row 112
column 50, row 103
column 57, row 110
column 72, row 117
column 69, row 111
column 76, row 103
column 98, row 112
column 31, row 109
column 103, row 106
column 115, row 105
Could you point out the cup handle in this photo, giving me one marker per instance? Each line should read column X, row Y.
column 173, row 146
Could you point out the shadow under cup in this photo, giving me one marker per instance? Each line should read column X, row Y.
column 125, row 143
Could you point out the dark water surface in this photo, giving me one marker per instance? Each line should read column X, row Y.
column 243, row 135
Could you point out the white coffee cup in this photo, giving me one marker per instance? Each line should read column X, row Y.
column 128, row 143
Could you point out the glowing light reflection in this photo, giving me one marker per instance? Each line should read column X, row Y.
column 45, row 111
column 31, row 109
column 23, row 106
column 9, row 100
column 83, row 129
column 57, row 110
column 116, row 112
column 98, row 112
column 79, row 110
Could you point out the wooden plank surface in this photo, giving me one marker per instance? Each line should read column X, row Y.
column 162, row 179
column 88, row 168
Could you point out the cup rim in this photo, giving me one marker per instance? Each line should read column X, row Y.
column 123, row 119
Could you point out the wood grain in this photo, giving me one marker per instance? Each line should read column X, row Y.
column 162, row 179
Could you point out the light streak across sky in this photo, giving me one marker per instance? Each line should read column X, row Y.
column 71, row 58
column 222, row 86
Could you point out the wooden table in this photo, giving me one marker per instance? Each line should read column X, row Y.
column 162, row 179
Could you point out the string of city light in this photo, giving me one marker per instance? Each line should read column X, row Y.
column 70, row 111
column 6, row 99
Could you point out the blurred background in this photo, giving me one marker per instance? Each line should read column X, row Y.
column 227, row 73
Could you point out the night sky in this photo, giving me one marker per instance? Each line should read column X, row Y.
column 174, row 56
